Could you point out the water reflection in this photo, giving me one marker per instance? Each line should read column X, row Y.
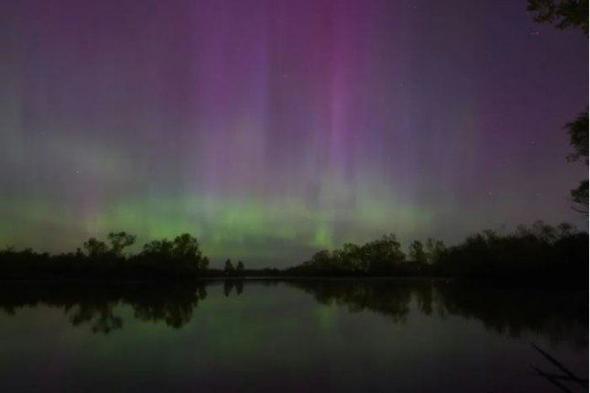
column 229, row 285
column 96, row 305
column 557, row 315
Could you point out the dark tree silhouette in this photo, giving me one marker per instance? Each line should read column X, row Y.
column 417, row 253
column 561, row 13
column 578, row 132
column 119, row 241
column 186, row 246
column 228, row 268
column 434, row 250
column 182, row 255
column 580, row 197
column 384, row 255
column 565, row 14
column 162, row 248
column 95, row 248
column 535, row 254
column 186, row 249
column 379, row 257
column 539, row 253
column 530, row 255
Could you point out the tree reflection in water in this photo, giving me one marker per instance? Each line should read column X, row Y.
column 95, row 305
column 553, row 314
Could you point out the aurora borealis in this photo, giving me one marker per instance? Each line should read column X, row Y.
column 272, row 128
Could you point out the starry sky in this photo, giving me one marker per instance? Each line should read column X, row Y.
column 273, row 128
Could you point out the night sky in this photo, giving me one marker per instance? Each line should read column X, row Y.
column 272, row 128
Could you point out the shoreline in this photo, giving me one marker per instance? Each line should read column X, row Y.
column 545, row 284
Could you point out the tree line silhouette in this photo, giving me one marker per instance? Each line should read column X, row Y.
column 539, row 252
column 180, row 258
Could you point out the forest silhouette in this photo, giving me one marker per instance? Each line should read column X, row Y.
column 536, row 254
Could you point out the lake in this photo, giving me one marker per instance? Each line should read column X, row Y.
column 288, row 336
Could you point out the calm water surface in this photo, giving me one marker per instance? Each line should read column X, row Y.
column 304, row 336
